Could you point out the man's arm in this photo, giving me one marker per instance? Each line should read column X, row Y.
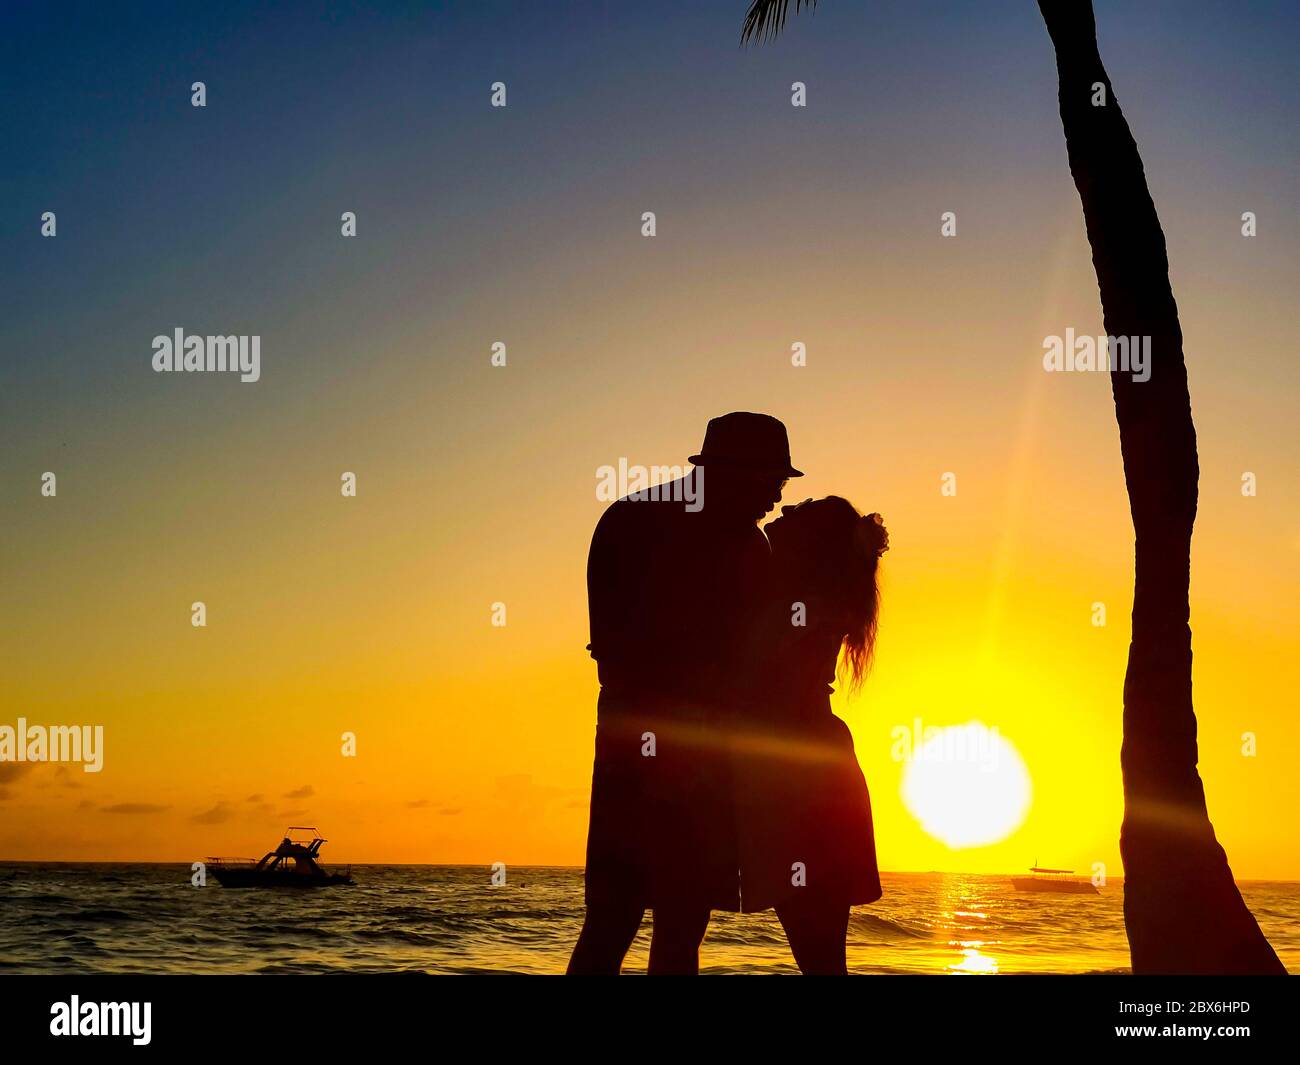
column 611, row 594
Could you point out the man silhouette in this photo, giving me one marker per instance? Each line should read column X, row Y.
column 671, row 582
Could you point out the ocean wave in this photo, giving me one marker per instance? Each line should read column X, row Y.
column 886, row 927
column 412, row 920
column 110, row 916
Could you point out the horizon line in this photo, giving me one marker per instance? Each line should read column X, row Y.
column 534, row 865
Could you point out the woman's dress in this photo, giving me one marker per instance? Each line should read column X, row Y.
column 803, row 810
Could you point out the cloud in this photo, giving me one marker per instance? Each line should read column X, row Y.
column 305, row 792
column 520, row 793
column 134, row 808
column 424, row 804
column 50, row 776
column 254, row 798
column 11, row 771
column 218, row 814
column 65, row 777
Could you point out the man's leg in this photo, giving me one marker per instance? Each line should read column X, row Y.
column 607, row 933
column 675, row 942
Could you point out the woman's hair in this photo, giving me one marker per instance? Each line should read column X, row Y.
column 840, row 554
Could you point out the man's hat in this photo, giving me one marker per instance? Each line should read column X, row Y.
column 744, row 441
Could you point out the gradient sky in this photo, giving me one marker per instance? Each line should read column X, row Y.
column 477, row 485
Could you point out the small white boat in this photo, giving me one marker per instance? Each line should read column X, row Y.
column 1054, row 881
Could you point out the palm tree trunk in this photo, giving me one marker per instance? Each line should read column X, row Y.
column 1182, row 909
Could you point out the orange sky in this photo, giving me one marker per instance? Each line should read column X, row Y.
column 372, row 614
column 478, row 484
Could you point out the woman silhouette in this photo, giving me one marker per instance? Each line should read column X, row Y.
column 807, row 845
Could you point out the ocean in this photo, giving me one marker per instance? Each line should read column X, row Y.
column 80, row 918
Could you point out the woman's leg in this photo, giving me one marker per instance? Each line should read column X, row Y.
column 675, row 941
column 816, row 928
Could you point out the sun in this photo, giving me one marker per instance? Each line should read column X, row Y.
column 967, row 785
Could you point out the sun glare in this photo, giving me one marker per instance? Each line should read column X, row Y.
column 967, row 785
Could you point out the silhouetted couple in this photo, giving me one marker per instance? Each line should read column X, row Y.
column 722, row 780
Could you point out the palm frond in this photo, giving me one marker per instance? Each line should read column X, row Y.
column 766, row 18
